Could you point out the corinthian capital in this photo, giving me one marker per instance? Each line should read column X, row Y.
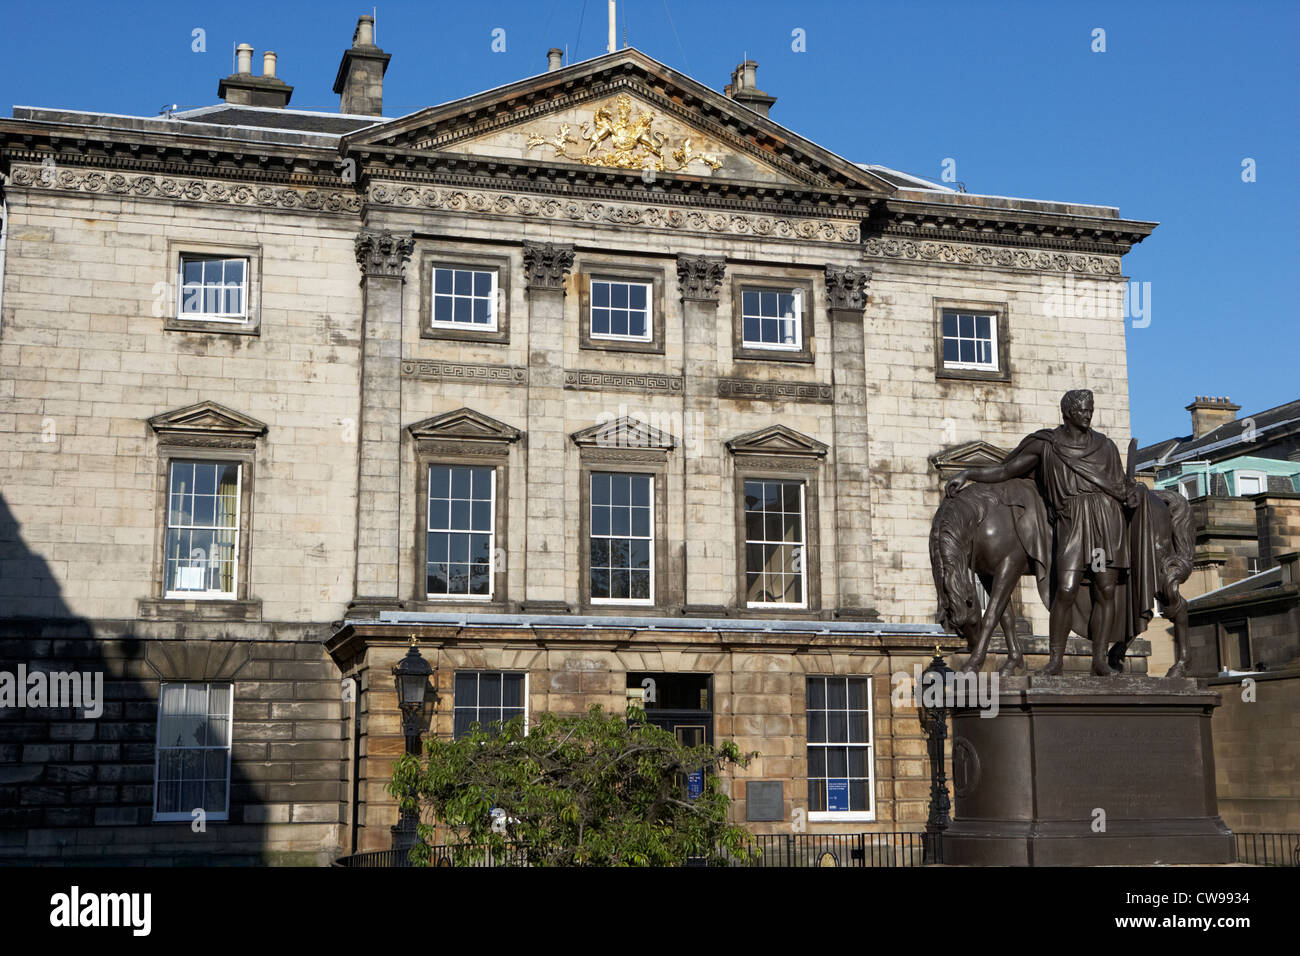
column 383, row 253
column 546, row 264
column 700, row 277
column 847, row 288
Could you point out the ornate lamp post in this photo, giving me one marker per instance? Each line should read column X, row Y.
column 411, row 675
column 934, row 720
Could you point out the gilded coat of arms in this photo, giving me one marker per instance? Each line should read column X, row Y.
column 624, row 143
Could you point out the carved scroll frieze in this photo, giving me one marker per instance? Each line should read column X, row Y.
column 992, row 256
column 616, row 213
column 182, row 189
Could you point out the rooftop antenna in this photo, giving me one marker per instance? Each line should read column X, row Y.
column 613, row 31
column 374, row 27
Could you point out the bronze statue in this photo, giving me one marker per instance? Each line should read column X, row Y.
column 1112, row 545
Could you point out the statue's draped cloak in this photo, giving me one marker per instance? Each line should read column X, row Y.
column 1084, row 486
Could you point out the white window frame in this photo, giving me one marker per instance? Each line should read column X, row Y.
column 492, row 534
column 493, row 297
column 188, row 595
column 990, row 366
column 643, row 602
column 1194, row 481
column 802, row 547
column 649, row 310
column 480, row 671
column 850, row 816
column 1259, row 476
column 234, row 318
column 797, row 318
column 188, row 815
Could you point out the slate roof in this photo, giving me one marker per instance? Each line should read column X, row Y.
column 1227, row 441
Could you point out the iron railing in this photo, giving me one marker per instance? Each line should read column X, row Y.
column 774, row 850
column 1268, row 849
column 882, row 849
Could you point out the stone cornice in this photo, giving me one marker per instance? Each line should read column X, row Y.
column 175, row 155
column 1003, row 225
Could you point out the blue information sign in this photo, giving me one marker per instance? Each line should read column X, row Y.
column 695, row 783
column 837, row 794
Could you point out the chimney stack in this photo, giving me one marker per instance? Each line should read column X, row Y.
column 743, row 88
column 360, row 80
column 554, row 59
column 1208, row 413
column 242, row 88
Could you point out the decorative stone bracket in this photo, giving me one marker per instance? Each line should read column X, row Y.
column 700, row 277
column 546, row 264
column 846, row 288
column 384, row 253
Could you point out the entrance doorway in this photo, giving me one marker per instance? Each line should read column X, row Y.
column 679, row 703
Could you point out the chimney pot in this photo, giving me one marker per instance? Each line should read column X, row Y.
column 365, row 32
column 244, row 59
column 268, row 65
column 554, row 59
column 743, row 88
column 360, row 78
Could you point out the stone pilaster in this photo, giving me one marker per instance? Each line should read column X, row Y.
column 382, row 257
column 546, row 266
column 846, row 295
column 711, row 534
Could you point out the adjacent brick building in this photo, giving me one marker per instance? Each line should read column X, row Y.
column 634, row 384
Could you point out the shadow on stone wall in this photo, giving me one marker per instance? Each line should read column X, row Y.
column 75, row 788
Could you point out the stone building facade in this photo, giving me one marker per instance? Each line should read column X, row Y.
column 632, row 383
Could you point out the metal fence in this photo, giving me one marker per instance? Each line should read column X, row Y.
column 847, row 849
column 882, row 849
column 774, row 850
column 1268, row 849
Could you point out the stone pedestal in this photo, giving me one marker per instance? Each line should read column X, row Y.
column 1081, row 771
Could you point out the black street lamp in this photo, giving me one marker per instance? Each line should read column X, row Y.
column 934, row 720
column 411, row 675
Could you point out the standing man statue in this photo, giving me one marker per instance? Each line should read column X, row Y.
column 1096, row 512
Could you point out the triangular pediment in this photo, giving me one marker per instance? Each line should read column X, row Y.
column 971, row 454
column 777, row 440
column 464, row 424
column 625, row 111
column 206, row 419
column 624, row 432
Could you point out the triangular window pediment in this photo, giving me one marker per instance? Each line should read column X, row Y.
column 464, row 424
column 971, row 454
column 777, row 440
column 206, row 421
column 624, row 432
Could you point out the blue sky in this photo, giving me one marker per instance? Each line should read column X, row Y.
column 1158, row 124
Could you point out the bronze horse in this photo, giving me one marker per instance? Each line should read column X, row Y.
column 994, row 532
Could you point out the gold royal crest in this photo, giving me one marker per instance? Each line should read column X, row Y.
column 624, row 143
